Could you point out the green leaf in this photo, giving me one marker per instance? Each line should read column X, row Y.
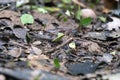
column 103, row 19
column 56, row 63
column 67, row 1
column 78, row 14
column 27, row 19
column 59, row 37
column 42, row 10
column 72, row 45
column 97, row 1
column 86, row 21
column 47, row 1
column 65, row 19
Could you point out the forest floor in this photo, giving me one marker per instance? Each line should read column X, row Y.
column 59, row 43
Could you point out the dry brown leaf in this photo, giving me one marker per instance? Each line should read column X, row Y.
column 15, row 52
column 36, row 57
column 91, row 46
column 12, row 15
column 40, row 62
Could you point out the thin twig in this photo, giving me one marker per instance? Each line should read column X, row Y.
column 4, row 8
column 60, row 46
column 79, row 3
column 18, row 44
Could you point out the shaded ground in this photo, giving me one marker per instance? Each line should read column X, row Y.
column 27, row 52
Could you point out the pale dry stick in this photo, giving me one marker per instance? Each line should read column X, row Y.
column 79, row 3
column 4, row 8
column 58, row 47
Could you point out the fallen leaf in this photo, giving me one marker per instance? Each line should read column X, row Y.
column 20, row 32
column 36, row 57
column 15, row 52
column 59, row 37
column 68, row 13
column 36, row 50
column 103, row 19
column 12, row 15
column 40, row 61
column 72, row 45
column 27, row 19
column 91, row 46
column 113, row 52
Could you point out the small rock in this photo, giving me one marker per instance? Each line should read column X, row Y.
column 96, row 35
column 107, row 58
column 2, row 77
column 112, row 25
column 88, row 13
column 81, row 68
column 37, row 43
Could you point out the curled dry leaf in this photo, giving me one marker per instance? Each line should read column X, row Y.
column 15, row 52
column 91, row 46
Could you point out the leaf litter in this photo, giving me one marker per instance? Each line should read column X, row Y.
column 80, row 50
